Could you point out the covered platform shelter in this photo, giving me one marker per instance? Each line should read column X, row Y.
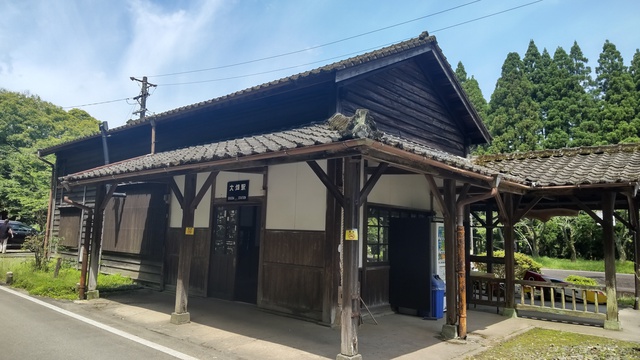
column 271, row 195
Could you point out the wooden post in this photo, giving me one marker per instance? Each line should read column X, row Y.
column 85, row 255
column 181, row 315
column 608, row 200
column 350, row 289
column 449, row 329
column 332, row 242
column 633, row 215
column 509, row 256
column 489, row 234
column 96, row 244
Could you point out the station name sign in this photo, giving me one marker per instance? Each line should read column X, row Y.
column 238, row 190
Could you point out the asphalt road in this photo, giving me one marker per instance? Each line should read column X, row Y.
column 625, row 283
column 37, row 330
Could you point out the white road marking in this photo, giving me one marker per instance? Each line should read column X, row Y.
column 108, row 328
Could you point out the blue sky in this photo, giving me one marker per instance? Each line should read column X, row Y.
column 82, row 52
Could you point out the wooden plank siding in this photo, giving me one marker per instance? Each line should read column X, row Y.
column 293, row 272
column 199, row 261
column 402, row 102
column 136, row 224
column 68, row 221
column 136, row 267
column 375, row 288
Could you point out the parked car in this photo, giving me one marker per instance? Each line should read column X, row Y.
column 20, row 232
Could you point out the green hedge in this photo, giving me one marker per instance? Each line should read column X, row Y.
column 523, row 263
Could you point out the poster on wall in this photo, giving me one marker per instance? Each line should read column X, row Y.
column 440, row 269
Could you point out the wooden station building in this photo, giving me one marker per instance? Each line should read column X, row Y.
column 314, row 193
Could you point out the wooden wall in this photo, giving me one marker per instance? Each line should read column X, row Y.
column 403, row 102
column 199, row 261
column 293, row 272
column 375, row 285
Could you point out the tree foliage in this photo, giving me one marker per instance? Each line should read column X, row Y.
column 544, row 101
column 27, row 123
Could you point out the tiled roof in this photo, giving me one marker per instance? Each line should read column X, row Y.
column 261, row 144
column 423, row 39
column 570, row 166
column 337, row 129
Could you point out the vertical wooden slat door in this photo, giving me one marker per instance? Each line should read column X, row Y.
column 222, row 265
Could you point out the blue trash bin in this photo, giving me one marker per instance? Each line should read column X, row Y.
column 437, row 297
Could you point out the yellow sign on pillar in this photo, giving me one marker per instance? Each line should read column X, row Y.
column 189, row 231
column 351, row 235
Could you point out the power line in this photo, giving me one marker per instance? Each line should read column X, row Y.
column 335, row 57
column 315, row 47
column 96, row 103
column 318, row 46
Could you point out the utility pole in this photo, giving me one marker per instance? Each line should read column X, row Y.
column 142, row 100
column 144, row 94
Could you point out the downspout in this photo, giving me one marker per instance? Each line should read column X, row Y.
column 104, row 127
column 460, row 259
column 52, row 184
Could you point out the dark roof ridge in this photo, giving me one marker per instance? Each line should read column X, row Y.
column 564, row 152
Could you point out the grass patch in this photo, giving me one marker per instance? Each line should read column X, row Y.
column 552, row 344
column 42, row 283
column 622, row 267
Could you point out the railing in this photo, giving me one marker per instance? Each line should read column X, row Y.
column 560, row 298
column 486, row 289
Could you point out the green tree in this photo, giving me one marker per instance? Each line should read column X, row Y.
column 513, row 117
column 616, row 88
column 27, row 124
column 472, row 89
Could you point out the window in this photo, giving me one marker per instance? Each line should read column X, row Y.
column 378, row 219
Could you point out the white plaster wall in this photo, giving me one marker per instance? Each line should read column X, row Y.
column 175, row 212
column 296, row 199
column 410, row 191
column 203, row 211
column 255, row 183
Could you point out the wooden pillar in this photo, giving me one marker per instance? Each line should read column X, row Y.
column 96, row 243
column 350, row 288
column 634, row 216
column 181, row 315
column 509, row 255
column 450, row 258
column 489, row 234
column 332, row 242
column 612, row 322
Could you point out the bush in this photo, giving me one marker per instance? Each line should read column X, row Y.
column 580, row 280
column 523, row 263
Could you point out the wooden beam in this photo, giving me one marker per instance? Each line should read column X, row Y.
column 176, row 191
column 586, row 209
column 624, row 221
column 111, row 189
column 478, row 219
column 433, row 188
column 371, row 182
column 333, row 189
column 521, row 213
column 612, row 321
column 503, row 214
column 509, row 253
column 450, row 250
column 634, row 217
column 96, row 243
column 203, row 190
column 350, row 288
column 181, row 314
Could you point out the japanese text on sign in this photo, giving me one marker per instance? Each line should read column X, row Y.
column 238, row 190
